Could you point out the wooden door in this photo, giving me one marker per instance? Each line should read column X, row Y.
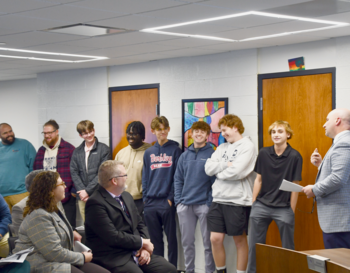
column 127, row 106
column 303, row 101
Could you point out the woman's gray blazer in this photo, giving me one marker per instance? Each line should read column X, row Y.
column 52, row 239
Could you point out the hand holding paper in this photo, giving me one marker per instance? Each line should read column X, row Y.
column 290, row 186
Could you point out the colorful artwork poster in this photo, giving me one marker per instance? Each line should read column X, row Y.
column 208, row 110
column 296, row 64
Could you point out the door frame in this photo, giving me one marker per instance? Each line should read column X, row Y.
column 128, row 88
column 262, row 77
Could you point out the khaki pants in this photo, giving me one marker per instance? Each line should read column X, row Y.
column 4, row 246
column 81, row 205
column 12, row 200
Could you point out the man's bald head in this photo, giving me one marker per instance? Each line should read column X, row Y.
column 6, row 134
column 344, row 115
column 338, row 121
column 3, row 124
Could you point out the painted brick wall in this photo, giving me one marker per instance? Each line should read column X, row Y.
column 72, row 96
column 19, row 108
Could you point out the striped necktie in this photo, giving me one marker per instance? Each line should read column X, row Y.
column 120, row 200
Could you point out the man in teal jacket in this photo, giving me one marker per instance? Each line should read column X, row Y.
column 16, row 161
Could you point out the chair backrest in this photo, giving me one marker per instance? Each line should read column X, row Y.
column 11, row 230
column 12, row 244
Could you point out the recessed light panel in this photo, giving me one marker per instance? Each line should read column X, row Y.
column 13, row 53
column 87, row 30
column 241, row 24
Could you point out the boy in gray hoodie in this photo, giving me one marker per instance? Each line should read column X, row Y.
column 233, row 165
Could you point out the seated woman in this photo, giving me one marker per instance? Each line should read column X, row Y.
column 47, row 229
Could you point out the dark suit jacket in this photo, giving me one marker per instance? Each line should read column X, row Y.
column 110, row 234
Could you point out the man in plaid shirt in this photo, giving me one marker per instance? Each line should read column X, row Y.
column 55, row 155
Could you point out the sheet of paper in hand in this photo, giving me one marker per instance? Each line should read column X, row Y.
column 18, row 257
column 79, row 247
column 290, row 186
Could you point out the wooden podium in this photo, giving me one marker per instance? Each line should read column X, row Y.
column 272, row 259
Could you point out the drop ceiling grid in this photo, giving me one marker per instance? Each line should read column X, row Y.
column 242, row 22
column 27, row 39
column 19, row 23
column 257, row 5
column 120, row 40
column 71, row 14
column 22, row 29
column 129, row 6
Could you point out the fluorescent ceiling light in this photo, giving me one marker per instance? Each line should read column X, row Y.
column 87, row 57
column 87, row 30
column 332, row 24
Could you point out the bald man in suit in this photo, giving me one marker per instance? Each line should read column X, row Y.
column 332, row 186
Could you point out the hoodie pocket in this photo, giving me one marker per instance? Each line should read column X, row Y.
column 226, row 189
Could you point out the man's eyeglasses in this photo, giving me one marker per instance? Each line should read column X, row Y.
column 125, row 175
column 48, row 133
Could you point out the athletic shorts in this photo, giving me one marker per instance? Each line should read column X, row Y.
column 231, row 220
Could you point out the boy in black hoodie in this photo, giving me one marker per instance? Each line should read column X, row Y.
column 159, row 165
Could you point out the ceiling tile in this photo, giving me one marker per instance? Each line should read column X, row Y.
column 129, row 50
column 71, row 14
column 313, row 9
column 24, row 23
column 223, row 47
column 292, row 39
column 61, row 48
column 35, row 38
column 331, row 33
column 12, row 6
column 191, row 1
column 270, row 30
column 188, row 42
column 342, row 17
column 188, row 13
column 5, row 31
column 129, row 6
column 256, row 5
column 13, row 64
column 61, row 1
column 119, row 40
column 242, row 22
column 136, row 22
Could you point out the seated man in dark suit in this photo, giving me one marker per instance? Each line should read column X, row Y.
column 114, row 229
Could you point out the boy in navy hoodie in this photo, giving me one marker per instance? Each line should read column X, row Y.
column 193, row 195
column 159, row 165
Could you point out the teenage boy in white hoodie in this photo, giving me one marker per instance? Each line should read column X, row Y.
column 233, row 165
column 274, row 164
